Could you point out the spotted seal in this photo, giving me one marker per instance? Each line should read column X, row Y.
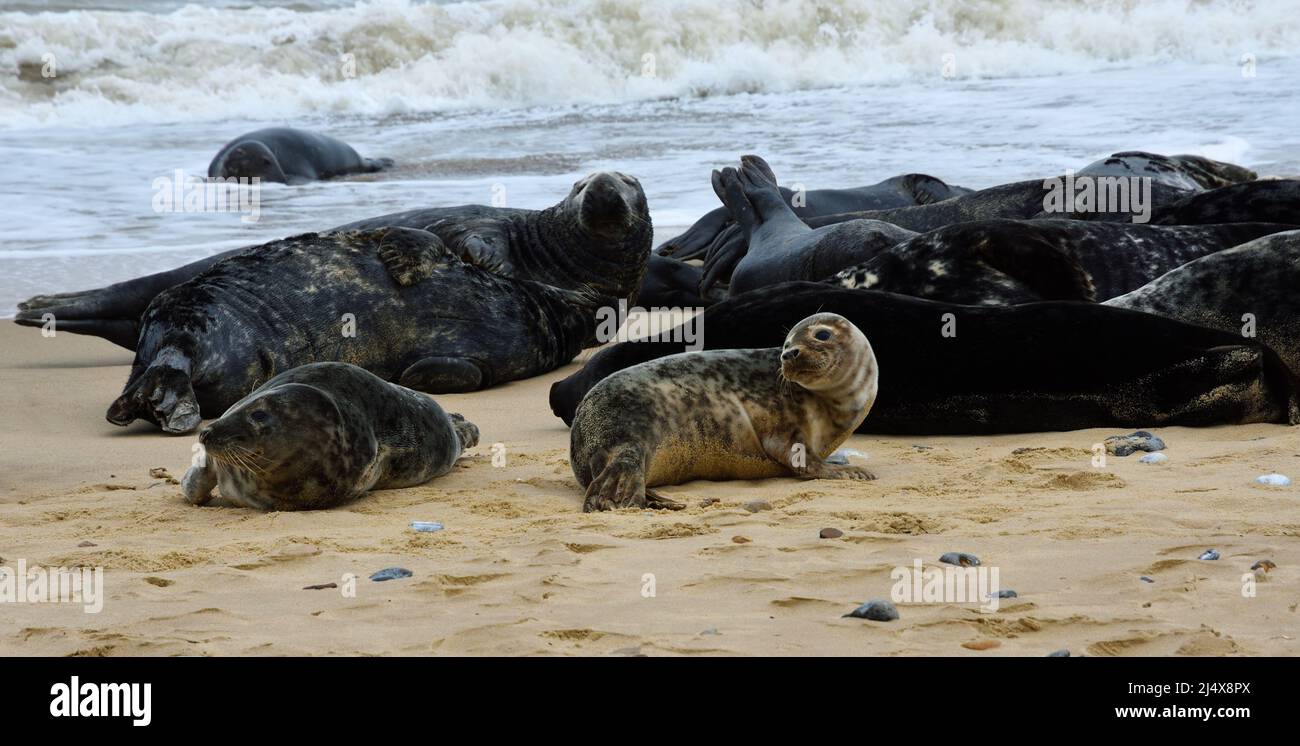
column 394, row 301
column 725, row 414
column 290, row 156
column 322, row 434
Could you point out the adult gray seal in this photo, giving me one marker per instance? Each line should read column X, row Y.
column 980, row 262
column 394, row 301
column 957, row 369
column 290, row 156
column 1249, row 290
column 1191, row 172
column 598, row 237
column 725, row 414
column 321, row 435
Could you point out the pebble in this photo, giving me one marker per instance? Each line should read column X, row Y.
column 706, row 502
column 1274, row 480
column 1062, row 653
column 1209, row 554
column 982, row 644
column 877, row 610
column 87, row 544
column 842, row 456
column 1145, row 579
column 755, row 506
column 320, row 587
column 426, row 527
column 1154, row 458
column 741, row 539
column 960, row 558
column 920, row 447
column 1123, row 445
column 1265, row 565
column 711, row 631
column 831, row 533
column 390, row 573
column 1004, row 594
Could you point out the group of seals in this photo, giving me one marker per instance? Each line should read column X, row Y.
column 290, row 156
column 320, row 435
column 725, row 414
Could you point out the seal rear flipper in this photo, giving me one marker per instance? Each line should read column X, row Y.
column 121, row 332
column 466, row 431
column 444, row 375
column 161, row 394
column 1049, row 271
column 376, row 164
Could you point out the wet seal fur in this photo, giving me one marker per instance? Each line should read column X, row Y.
column 1052, row 365
column 1261, row 278
column 321, row 435
column 423, row 318
column 597, row 238
column 290, row 156
column 725, row 414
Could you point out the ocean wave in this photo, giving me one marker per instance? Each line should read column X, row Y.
column 393, row 57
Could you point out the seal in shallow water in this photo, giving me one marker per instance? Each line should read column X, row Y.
column 290, row 156
column 725, row 414
column 323, row 434
column 392, row 301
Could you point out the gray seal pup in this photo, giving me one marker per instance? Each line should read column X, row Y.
column 290, row 156
column 321, row 435
column 393, row 301
column 725, row 414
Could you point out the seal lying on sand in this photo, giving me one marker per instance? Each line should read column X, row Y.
column 290, row 156
column 725, row 414
column 597, row 237
column 899, row 191
column 1056, row 365
column 1191, row 172
column 323, row 434
column 392, row 301
column 982, row 262
column 1250, row 290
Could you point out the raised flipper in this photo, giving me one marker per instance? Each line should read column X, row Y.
column 409, row 254
column 445, row 375
column 732, row 243
column 695, row 241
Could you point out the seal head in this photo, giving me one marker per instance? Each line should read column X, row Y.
column 250, row 160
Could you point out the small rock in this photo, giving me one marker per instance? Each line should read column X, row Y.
column 1004, row 594
column 920, row 447
column 877, row 610
column 831, row 533
column 391, row 573
column 1209, row 554
column 1264, row 565
column 711, row 631
column 842, row 456
column 159, row 472
column 1153, row 458
column 426, row 527
column 1123, row 445
column 1274, row 480
column 1062, row 653
column 320, row 587
column 982, row 644
column 706, row 502
column 85, row 544
column 1145, row 579
column 755, row 506
column 960, row 558
column 740, row 539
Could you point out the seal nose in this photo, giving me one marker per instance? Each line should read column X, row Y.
column 790, row 354
column 204, row 433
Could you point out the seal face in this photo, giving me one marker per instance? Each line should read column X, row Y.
column 725, row 414
column 323, row 434
column 290, row 156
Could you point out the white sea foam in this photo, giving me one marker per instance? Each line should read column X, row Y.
column 197, row 63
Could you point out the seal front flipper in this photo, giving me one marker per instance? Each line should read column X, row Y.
column 478, row 242
column 410, row 255
column 617, row 483
column 198, row 483
column 444, row 375
column 656, row 501
column 161, row 393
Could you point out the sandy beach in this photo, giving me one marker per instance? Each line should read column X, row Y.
column 519, row 569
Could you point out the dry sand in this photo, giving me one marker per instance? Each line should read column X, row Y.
column 520, row 570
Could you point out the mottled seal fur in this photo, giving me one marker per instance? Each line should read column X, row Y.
column 1260, row 278
column 290, row 156
column 1052, row 365
column 598, row 237
column 725, row 414
column 323, row 434
column 393, row 301
column 1191, row 172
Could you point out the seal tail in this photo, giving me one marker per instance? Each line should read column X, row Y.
column 161, row 394
column 466, row 431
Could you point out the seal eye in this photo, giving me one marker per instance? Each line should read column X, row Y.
column 259, row 416
column 823, row 335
